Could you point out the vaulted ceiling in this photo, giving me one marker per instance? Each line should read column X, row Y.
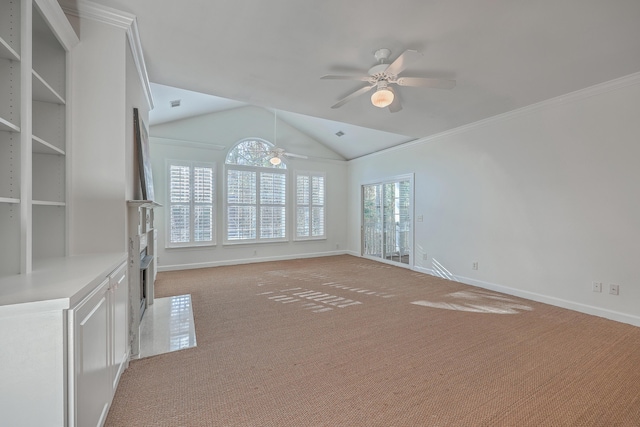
column 503, row 54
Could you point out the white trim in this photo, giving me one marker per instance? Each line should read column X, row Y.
column 96, row 12
column 594, row 90
column 546, row 299
column 133, row 35
column 117, row 18
column 247, row 261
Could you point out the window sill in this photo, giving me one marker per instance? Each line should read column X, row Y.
column 211, row 245
column 254, row 242
column 309, row 239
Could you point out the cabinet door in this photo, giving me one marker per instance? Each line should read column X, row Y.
column 119, row 323
column 92, row 392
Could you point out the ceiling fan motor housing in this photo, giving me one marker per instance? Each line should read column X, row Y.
column 382, row 55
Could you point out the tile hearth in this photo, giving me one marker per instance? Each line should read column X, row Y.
column 167, row 325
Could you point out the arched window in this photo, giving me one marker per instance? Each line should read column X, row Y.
column 253, row 152
column 256, row 194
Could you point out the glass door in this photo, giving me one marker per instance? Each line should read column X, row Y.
column 386, row 220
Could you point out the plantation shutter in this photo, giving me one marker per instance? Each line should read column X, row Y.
column 179, row 198
column 310, row 206
column 203, row 204
column 272, row 205
column 191, row 198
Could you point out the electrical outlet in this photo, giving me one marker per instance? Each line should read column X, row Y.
column 474, row 266
column 614, row 289
column 425, row 257
column 597, row 286
column 420, row 218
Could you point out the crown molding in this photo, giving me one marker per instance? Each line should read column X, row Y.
column 598, row 89
column 136, row 49
column 123, row 20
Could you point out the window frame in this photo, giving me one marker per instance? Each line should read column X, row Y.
column 258, row 170
column 192, row 204
column 295, row 205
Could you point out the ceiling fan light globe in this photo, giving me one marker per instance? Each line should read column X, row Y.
column 275, row 161
column 382, row 98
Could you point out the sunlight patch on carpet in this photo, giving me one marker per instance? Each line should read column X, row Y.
column 477, row 302
column 320, row 302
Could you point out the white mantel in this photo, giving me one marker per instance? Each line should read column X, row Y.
column 141, row 234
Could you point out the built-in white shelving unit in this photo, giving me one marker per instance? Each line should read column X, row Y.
column 35, row 37
column 10, row 142
column 64, row 289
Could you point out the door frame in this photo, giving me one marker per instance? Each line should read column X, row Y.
column 387, row 180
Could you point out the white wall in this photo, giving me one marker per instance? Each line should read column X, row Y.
column 545, row 200
column 105, row 87
column 226, row 129
column 135, row 98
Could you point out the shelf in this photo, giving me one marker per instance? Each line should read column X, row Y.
column 43, row 147
column 7, row 51
column 42, row 91
column 9, row 200
column 145, row 262
column 7, row 126
column 48, row 203
column 144, row 203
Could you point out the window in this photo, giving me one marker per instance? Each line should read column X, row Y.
column 191, row 208
column 256, row 196
column 310, row 209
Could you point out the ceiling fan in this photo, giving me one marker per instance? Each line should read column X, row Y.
column 384, row 74
column 277, row 153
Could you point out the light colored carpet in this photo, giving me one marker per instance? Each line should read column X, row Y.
column 344, row 341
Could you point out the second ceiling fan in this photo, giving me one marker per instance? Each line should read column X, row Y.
column 383, row 75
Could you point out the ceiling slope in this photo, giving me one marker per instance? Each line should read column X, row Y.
column 503, row 54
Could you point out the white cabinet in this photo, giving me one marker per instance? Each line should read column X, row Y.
column 35, row 36
column 119, row 352
column 91, row 355
column 64, row 336
column 99, row 327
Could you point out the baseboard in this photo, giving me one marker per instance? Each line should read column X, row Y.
column 546, row 299
column 247, row 261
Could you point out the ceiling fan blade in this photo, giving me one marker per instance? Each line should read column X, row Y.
column 396, row 105
column 426, row 82
column 334, row 77
column 297, row 156
column 353, row 95
column 402, row 62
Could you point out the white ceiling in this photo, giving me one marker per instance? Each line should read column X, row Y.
column 348, row 144
column 504, row 55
